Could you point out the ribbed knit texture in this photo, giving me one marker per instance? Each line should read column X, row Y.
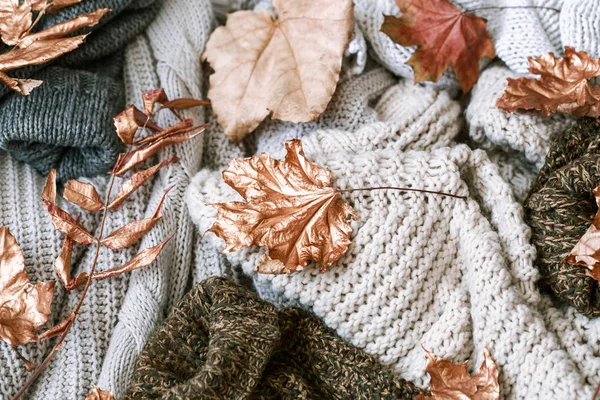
column 561, row 208
column 67, row 122
column 224, row 342
column 119, row 313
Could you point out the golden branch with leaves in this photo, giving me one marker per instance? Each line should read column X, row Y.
column 26, row 307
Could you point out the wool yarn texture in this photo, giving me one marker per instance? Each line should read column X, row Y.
column 119, row 313
column 453, row 276
column 223, row 342
column 66, row 123
column 560, row 209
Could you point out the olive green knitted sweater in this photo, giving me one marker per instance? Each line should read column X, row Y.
column 561, row 208
column 223, row 342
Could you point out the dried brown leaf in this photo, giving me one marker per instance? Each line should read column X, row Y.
column 587, row 251
column 99, row 394
column 144, row 258
column 152, row 97
column 57, row 329
column 21, row 86
column 179, row 128
column 133, row 231
column 84, row 195
column 183, row 104
column 128, row 122
column 280, row 66
column 563, row 86
column 15, row 20
column 62, row 265
column 57, row 5
column 24, row 308
column 291, row 209
column 62, row 220
column 444, row 36
column 38, row 5
column 451, row 381
column 136, row 180
column 65, row 28
column 129, row 160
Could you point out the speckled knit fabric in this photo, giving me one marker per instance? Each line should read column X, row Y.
column 224, row 342
column 561, row 208
column 67, row 122
column 119, row 313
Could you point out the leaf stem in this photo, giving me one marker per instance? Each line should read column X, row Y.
column 511, row 7
column 402, row 189
column 28, row 364
column 75, row 312
column 596, row 392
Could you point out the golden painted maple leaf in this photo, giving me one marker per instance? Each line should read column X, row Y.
column 291, row 209
column 444, row 35
column 563, row 86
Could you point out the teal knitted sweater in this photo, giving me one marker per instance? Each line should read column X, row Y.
column 67, row 122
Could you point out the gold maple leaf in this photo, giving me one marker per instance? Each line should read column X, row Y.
column 563, row 86
column 287, row 66
column 16, row 24
column 24, row 308
column 291, row 209
column 444, row 35
column 451, row 381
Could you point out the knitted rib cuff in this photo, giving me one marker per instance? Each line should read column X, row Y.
column 66, row 123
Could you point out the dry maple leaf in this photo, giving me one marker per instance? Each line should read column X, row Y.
column 563, row 86
column 587, row 251
column 99, row 394
column 291, row 209
column 16, row 23
column 444, row 35
column 286, row 66
column 24, row 308
column 451, row 381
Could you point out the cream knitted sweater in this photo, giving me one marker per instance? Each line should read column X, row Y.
column 430, row 271
column 119, row 313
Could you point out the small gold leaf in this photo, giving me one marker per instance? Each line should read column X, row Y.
column 57, row 5
column 99, row 394
column 144, row 258
column 132, row 232
column 39, row 52
column 57, row 329
column 65, row 28
column 129, row 160
column 183, row 104
column 15, row 20
column 62, row 265
column 24, row 307
column 38, row 5
column 179, row 128
column 21, row 86
column 136, row 180
column 128, row 122
column 64, row 222
column 49, row 192
column 152, row 97
column 84, row 195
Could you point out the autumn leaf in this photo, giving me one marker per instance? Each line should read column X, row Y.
column 136, row 180
column 451, row 381
column 84, row 195
column 444, row 35
column 62, row 266
column 184, row 126
column 99, row 394
column 183, row 104
column 563, row 86
column 291, row 209
column 62, row 220
column 128, row 121
column 587, row 251
column 24, row 308
column 287, row 66
column 152, row 97
column 15, row 19
column 133, row 231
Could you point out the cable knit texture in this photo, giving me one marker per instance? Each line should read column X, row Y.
column 119, row 313
column 67, row 122
column 561, row 208
column 223, row 342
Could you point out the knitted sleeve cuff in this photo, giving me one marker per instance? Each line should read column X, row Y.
column 66, row 123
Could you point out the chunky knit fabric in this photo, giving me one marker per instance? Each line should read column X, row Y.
column 223, row 342
column 561, row 208
column 67, row 122
column 121, row 312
